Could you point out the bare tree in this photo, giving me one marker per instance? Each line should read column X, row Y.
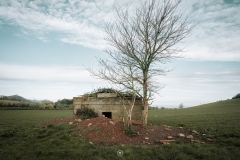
column 139, row 44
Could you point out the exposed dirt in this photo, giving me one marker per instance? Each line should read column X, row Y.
column 102, row 130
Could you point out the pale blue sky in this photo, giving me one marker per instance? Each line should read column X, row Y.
column 44, row 45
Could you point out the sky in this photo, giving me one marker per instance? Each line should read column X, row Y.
column 46, row 45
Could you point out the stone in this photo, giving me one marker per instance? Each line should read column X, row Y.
column 197, row 141
column 91, row 142
column 111, row 122
column 70, row 123
column 151, row 130
column 189, row 137
column 181, row 135
column 192, row 140
column 209, row 140
column 169, row 137
column 79, row 120
column 195, row 132
column 166, row 141
column 89, row 124
column 146, row 138
column 168, row 129
column 204, row 134
column 180, row 127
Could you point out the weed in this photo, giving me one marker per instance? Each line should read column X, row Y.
column 130, row 131
column 86, row 112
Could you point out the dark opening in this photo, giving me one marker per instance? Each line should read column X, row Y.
column 107, row 114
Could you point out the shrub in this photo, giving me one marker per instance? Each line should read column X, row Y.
column 237, row 96
column 85, row 113
column 130, row 131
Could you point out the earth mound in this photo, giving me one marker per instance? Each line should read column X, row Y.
column 102, row 130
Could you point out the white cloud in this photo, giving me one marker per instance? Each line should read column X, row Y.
column 216, row 36
column 77, row 24
column 60, row 74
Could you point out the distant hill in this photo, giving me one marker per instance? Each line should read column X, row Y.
column 17, row 98
column 218, row 106
column 22, row 99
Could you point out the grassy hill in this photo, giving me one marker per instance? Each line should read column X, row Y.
column 219, row 120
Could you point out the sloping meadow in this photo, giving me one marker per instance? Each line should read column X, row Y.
column 23, row 137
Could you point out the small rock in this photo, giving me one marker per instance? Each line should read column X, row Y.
column 143, row 141
column 91, row 142
column 192, row 140
column 197, row 141
column 89, row 124
column 181, row 135
column 79, row 120
column 148, row 143
column 209, row 140
column 146, row 138
column 180, row 127
column 195, row 132
column 164, row 143
column 150, row 124
column 202, row 142
column 138, row 133
column 111, row 122
column 151, row 130
column 169, row 137
column 86, row 119
column 70, row 122
column 103, row 115
column 189, row 137
column 204, row 134
column 168, row 129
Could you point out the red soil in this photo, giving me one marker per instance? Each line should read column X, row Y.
column 102, row 130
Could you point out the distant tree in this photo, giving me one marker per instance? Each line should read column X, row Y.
column 162, row 107
column 181, row 106
column 237, row 96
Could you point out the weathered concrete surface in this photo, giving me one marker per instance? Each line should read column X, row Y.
column 107, row 95
column 110, row 104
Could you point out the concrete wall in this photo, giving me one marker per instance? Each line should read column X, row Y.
column 109, row 103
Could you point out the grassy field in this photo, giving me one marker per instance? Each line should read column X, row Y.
column 22, row 137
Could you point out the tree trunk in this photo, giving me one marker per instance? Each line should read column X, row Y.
column 145, row 112
column 145, row 102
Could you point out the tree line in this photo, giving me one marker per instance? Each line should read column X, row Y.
column 63, row 104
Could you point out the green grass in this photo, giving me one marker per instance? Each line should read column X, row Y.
column 22, row 137
column 220, row 120
column 26, row 118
